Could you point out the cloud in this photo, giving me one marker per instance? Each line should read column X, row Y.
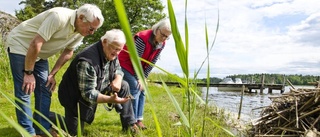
column 277, row 36
column 308, row 31
column 254, row 36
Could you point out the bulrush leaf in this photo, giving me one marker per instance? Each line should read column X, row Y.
column 134, row 56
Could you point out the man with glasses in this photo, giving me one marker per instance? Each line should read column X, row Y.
column 29, row 46
column 91, row 76
column 149, row 44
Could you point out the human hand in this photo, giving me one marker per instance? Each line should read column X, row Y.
column 141, row 88
column 115, row 85
column 29, row 83
column 51, row 82
column 116, row 99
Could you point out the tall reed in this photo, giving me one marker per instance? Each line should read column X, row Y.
column 182, row 50
column 191, row 93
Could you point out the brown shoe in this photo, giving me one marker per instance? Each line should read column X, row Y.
column 52, row 131
column 134, row 129
column 141, row 125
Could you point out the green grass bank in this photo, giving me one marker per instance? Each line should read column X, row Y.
column 107, row 124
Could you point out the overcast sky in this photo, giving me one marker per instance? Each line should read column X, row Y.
column 255, row 36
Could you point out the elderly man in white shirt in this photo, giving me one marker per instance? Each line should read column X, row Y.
column 32, row 42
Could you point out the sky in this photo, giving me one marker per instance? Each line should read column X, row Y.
column 254, row 36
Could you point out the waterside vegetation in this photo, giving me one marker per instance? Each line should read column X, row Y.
column 295, row 79
column 108, row 123
column 171, row 111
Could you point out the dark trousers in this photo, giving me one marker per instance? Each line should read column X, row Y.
column 69, row 123
column 126, row 114
column 71, row 118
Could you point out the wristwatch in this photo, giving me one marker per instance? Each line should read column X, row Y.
column 28, row 72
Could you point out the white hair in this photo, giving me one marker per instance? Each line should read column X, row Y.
column 114, row 35
column 91, row 12
column 163, row 23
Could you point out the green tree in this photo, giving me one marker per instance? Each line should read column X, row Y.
column 31, row 9
column 295, row 79
column 73, row 4
column 142, row 14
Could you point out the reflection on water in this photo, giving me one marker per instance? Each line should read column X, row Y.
column 252, row 103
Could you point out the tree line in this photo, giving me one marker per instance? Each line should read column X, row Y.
column 295, row 79
column 142, row 14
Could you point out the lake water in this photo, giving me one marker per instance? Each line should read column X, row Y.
column 252, row 103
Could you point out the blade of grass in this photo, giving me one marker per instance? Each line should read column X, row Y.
column 178, row 79
column 218, row 126
column 182, row 52
column 214, row 40
column 22, row 131
column 59, row 125
column 34, row 110
column 208, row 80
column 79, row 134
column 180, row 49
column 176, row 105
column 134, row 56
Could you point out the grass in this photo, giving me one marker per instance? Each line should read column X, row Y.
column 107, row 123
column 169, row 111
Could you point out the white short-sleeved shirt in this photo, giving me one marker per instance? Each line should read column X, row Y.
column 55, row 26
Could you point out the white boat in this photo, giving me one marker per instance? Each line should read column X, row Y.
column 226, row 81
column 237, row 81
column 227, row 84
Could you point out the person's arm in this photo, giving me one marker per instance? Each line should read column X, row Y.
column 64, row 57
column 116, row 83
column 87, row 80
column 116, row 86
column 111, row 99
column 149, row 68
column 31, row 56
column 140, row 45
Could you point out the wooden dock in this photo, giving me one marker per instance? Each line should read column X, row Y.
column 249, row 86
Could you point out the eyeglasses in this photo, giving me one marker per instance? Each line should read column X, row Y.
column 90, row 27
column 114, row 48
column 163, row 35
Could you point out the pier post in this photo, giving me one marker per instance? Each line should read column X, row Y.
column 283, row 84
column 262, row 84
column 318, row 86
column 251, row 80
column 240, row 107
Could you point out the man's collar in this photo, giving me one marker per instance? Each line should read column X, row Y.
column 73, row 20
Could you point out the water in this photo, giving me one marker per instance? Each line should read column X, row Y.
column 252, row 103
